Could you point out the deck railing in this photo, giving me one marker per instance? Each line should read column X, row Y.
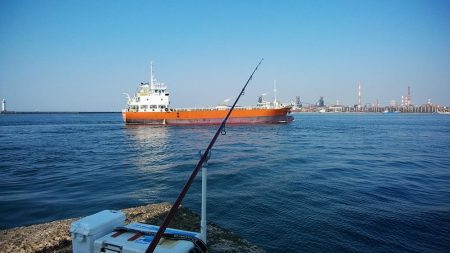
column 206, row 109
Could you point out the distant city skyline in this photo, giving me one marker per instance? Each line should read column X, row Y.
column 82, row 55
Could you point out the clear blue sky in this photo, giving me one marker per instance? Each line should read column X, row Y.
column 82, row 55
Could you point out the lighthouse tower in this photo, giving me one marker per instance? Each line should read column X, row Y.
column 3, row 105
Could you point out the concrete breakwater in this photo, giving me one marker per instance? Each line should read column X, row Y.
column 55, row 237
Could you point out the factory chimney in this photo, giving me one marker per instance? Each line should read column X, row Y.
column 359, row 95
column 409, row 96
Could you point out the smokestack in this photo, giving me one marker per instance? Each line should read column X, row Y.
column 359, row 95
column 409, row 96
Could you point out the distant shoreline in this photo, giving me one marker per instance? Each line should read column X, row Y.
column 294, row 112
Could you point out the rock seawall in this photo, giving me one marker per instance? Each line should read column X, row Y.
column 55, row 237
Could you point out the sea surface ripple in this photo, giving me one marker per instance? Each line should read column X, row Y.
column 323, row 183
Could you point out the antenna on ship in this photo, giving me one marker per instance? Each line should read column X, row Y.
column 151, row 74
column 275, row 91
column 203, row 159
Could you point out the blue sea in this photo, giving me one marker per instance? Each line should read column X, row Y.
column 323, row 183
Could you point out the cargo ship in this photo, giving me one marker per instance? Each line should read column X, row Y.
column 151, row 105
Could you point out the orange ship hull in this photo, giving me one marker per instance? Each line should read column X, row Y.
column 209, row 116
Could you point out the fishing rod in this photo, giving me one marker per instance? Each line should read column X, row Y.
column 204, row 157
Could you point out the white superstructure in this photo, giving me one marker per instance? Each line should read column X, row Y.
column 149, row 97
column 270, row 105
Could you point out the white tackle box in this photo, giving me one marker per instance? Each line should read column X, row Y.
column 86, row 230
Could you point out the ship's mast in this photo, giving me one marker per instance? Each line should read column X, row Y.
column 275, row 90
column 151, row 75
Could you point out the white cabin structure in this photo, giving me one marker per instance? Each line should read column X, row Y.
column 149, row 97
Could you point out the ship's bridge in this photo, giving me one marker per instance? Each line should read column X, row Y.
column 150, row 97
